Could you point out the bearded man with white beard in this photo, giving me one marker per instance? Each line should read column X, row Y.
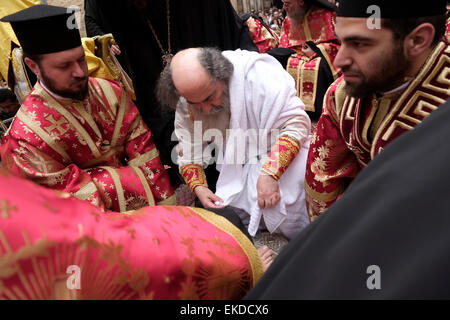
column 246, row 104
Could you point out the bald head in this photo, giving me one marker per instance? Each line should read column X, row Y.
column 188, row 75
column 197, row 74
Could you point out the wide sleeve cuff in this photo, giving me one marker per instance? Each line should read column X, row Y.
column 283, row 153
column 194, row 175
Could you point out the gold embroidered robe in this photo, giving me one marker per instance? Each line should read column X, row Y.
column 317, row 27
column 98, row 149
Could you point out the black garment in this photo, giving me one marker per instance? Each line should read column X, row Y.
column 193, row 23
column 395, row 215
column 96, row 24
column 324, row 80
column 229, row 214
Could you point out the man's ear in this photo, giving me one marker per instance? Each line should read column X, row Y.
column 419, row 40
column 33, row 66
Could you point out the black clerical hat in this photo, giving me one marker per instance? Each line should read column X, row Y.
column 391, row 9
column 45, row 29
column 324, row 4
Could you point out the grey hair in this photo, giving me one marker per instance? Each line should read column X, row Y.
column 165, row 90
column 218, row 67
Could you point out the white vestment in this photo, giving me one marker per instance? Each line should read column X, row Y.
column 262, row 96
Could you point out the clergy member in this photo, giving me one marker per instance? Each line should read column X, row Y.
column 395, row 73
column 245, row 103
column 79, row 134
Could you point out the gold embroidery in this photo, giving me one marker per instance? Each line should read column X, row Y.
column 104, row 87
column 119, row 120
column 6, row 208
column 247, row 246
column 55, row 105
column 43, row 135
column 283, row 153
column 86, row 191
column 323, row 196
column 119, row 187
column 89, row 119
column 144, row 158
column 415, row 88
column 144, row 182
column 170, row 201
column 194, row 175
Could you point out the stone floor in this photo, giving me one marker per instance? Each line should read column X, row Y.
column 274, row 241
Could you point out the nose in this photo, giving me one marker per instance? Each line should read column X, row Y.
column 205, row 107
column 342, row 58
column 78, row 71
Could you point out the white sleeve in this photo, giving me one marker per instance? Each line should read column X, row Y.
column 296, row 128
column 190, row 141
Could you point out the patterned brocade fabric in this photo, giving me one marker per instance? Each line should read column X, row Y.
column 99, row 150
column 351, row 132
column 318, row 27
column 283, row 153
column 54, row 246
column 194, row 175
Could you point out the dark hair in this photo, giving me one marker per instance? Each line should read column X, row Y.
column 6, row 94
column 35, row 57
column 402, row 27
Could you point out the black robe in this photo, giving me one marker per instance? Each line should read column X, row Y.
column 395, row 216
column 193, row 23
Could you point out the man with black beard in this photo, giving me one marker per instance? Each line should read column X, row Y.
column 395, row 73
column 78, row 134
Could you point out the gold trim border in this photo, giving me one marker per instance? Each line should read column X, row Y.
column 245, row 243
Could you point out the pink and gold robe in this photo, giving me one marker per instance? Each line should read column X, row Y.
column 54, row 246
column 264, row 38
column 351, row 132
column 98, row 149
column 318, row 27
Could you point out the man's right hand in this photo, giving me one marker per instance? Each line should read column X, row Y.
column 207, row 198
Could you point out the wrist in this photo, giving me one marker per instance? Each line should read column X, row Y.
column 194, row 175
column 283, row 153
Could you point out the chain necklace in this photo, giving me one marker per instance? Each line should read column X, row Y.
column 166, row 54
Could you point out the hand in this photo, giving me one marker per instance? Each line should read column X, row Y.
column 179, row 150
column 307, row 51
column 207, row 198
column 268, row 191
column 115, row 49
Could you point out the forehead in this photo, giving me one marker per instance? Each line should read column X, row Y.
column 361, row 28
column 64, row 56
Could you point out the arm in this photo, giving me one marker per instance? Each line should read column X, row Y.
column 282, row 110
column 25, row 154
column 190, row 156
column 281, row 156
column 331, row 165
column 130, row 175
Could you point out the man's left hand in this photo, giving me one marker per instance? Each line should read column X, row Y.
column 268, row 191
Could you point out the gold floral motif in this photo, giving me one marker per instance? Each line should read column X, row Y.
column 194, row 175
column 283, row 153
column 6, row 208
